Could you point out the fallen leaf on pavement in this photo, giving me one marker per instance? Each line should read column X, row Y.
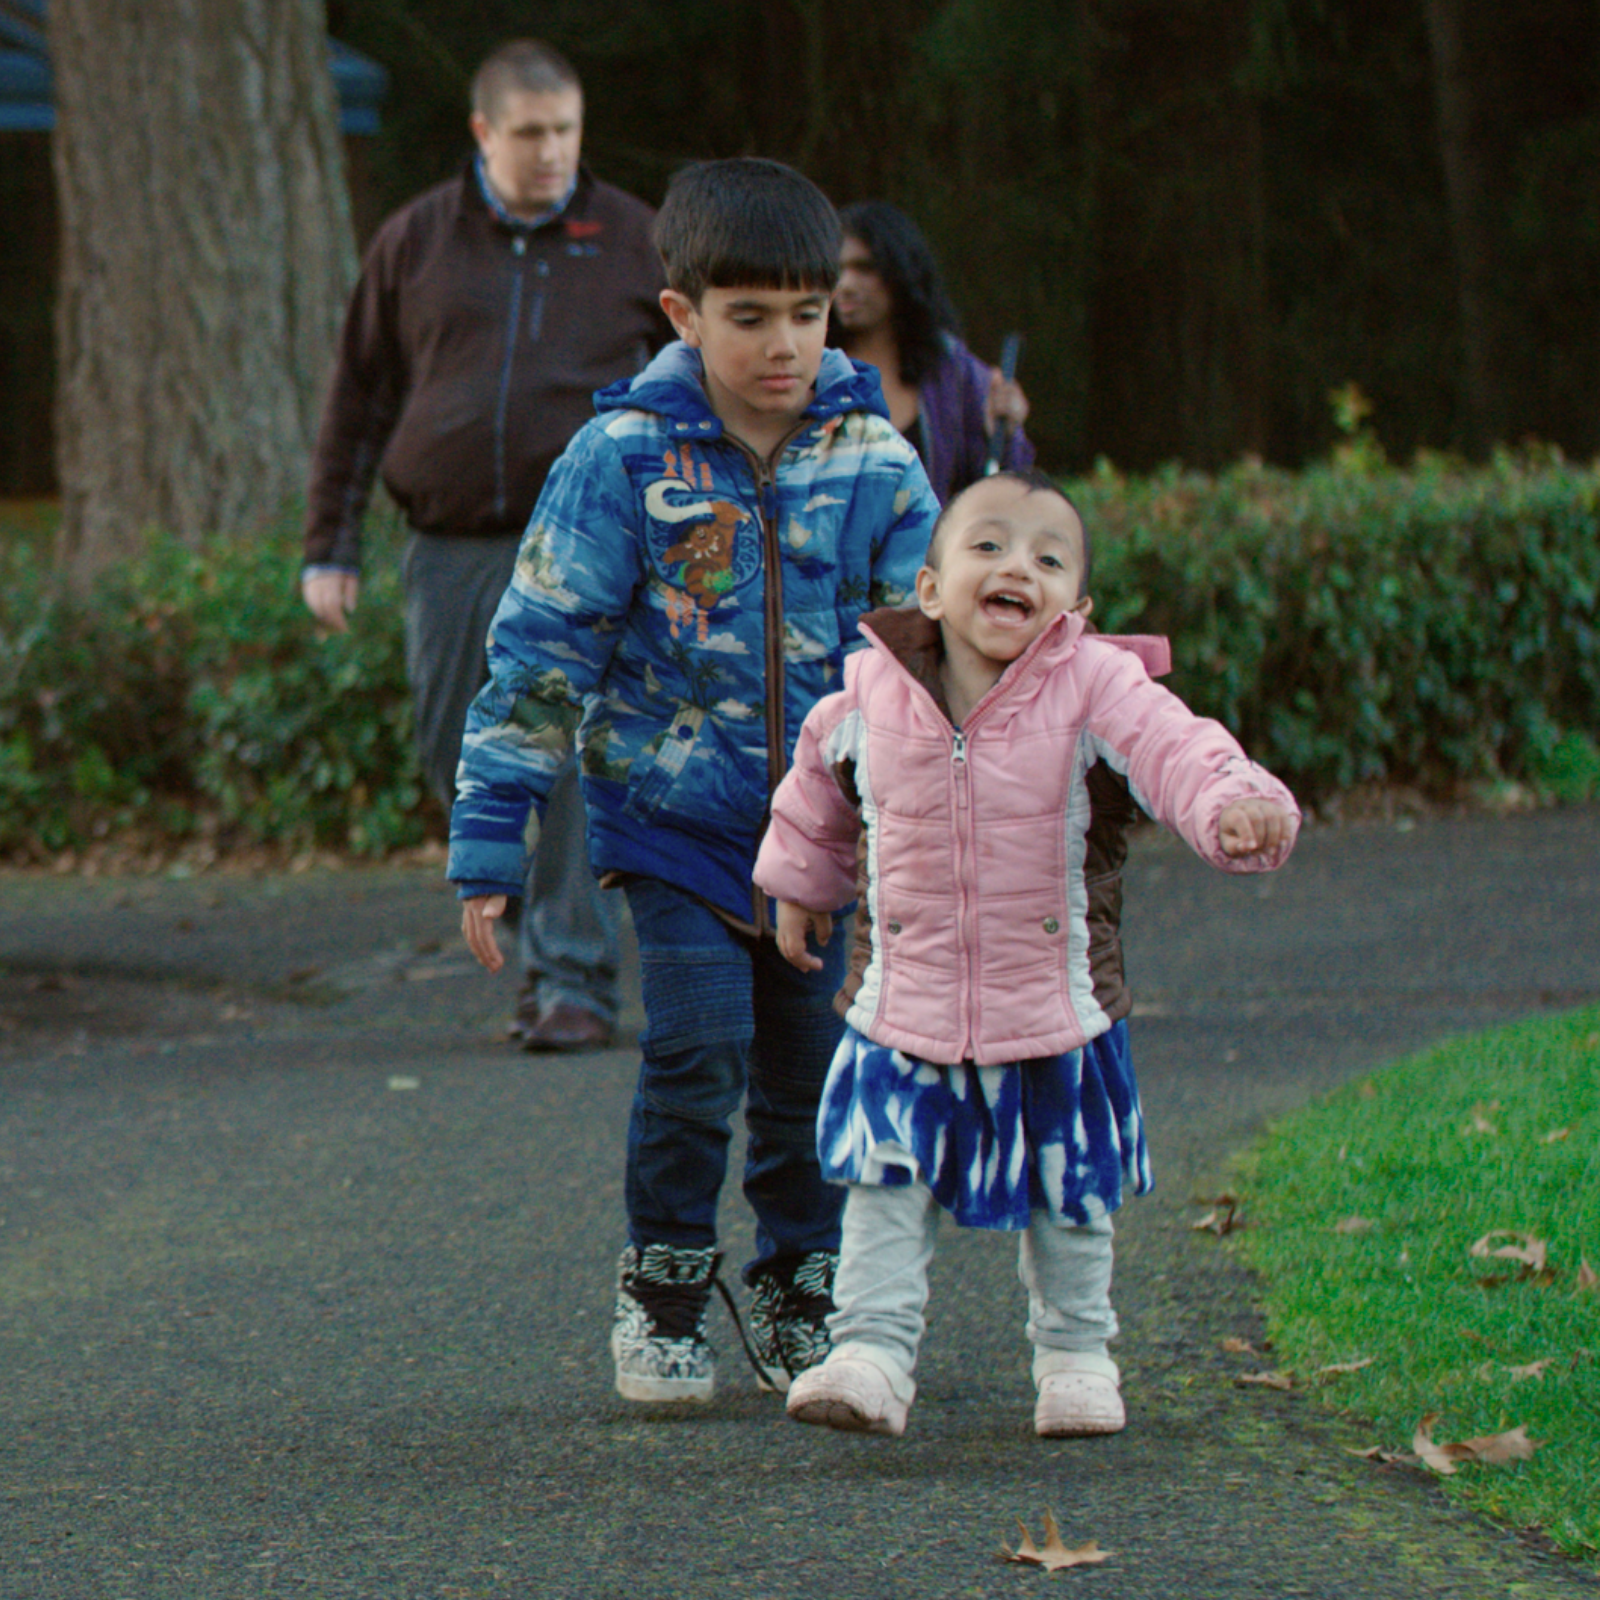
column 1530, row 1251
column 1223, row 1218
column 1267, row 1380
column 1491, row 1449
column 1053, row 1554
column 1340, row 1367
column 1353, row 1225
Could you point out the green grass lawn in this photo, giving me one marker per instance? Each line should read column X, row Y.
column 1361, row 1214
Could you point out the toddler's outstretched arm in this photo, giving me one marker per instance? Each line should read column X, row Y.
column 794, row 922
column 1254, row 827
column 478, row 917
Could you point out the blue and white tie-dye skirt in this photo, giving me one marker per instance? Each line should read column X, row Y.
column 1063, row 1134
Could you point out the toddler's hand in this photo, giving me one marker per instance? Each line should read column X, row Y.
column 794, row 923
column 1254, row 828
column 478, row 918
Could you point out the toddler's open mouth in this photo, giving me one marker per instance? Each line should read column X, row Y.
column 1007, row 607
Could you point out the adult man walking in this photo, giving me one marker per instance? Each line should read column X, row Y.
column 488, row 311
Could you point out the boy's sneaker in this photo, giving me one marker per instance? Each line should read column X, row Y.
column 789, row 1308
column 1080, row 1397
column 658, row 1339
column 849, row 1393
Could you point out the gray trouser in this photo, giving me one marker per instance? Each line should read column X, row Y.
column 567, row 937
column 882, row 1283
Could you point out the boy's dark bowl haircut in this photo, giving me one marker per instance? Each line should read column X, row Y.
column 1035, row 482
column 746, row 223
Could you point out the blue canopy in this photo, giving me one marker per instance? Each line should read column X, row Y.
column 27, row 100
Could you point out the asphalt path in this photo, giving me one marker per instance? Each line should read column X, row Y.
column 305, row 1276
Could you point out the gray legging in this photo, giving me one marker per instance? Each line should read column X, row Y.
column 567, row 940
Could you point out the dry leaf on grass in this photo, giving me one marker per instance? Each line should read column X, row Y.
column 1556, row 1135
column 1588, row 1279
column 1378, row 1453
column 1491, row 1449
column 1222, row 1218
column 1267, row 1380
column 1339, row 1368
column 1053, row 1555
column 1480, row 1122
column 1239, row 1347
column 1353, row 1225
column 1525, row 1248
column 1534, row 1369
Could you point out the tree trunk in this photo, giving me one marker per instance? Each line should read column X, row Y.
column 206, row 254
column 1471, row 234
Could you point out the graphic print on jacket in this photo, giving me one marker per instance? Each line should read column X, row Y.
column 704, row 548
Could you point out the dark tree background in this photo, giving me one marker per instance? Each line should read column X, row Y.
column 1204, row 215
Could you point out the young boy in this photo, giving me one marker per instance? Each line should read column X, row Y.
column 685, row 592
column 985, row 1068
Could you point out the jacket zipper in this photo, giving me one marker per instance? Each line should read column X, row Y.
column 766, row 482
column 961, row 779
column 541, row 270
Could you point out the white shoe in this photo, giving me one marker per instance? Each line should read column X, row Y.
column 850, row 1394
column 1080, row 1399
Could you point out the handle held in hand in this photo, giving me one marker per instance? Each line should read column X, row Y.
column 1010, row 353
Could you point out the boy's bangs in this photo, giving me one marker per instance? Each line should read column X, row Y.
column 775, row 251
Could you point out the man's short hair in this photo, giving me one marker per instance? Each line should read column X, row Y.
column 1035, row 482
column 526, row 64
column 745, row 223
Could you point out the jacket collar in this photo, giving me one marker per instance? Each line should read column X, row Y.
column 672, row 388
column 915, row 643
column 472, row 201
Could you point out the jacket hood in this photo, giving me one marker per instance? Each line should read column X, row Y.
column 673, row 387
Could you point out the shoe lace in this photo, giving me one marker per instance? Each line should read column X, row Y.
column 738, row 1327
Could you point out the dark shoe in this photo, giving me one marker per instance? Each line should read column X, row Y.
column 560, row 1027
column 658, row 1337
column 789, row 1307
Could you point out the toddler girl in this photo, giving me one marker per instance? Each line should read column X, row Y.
column 980, row 755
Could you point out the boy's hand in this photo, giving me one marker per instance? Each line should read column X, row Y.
column 1253, row 828
column 478, row 918
column 794, row 923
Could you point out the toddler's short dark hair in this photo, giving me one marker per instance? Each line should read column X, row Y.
column 1035, row 482
column 745, row 223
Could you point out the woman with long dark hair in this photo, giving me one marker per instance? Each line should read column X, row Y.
column 891, row 309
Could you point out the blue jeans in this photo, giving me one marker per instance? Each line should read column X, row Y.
column 568, row 930
column 727, row 1019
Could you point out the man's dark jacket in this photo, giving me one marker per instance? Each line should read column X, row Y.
column 469, row 357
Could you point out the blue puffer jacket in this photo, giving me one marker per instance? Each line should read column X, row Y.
column 688, row 603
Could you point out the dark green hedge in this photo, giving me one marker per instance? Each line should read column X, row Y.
column 188, row 696
column 1435, row 628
